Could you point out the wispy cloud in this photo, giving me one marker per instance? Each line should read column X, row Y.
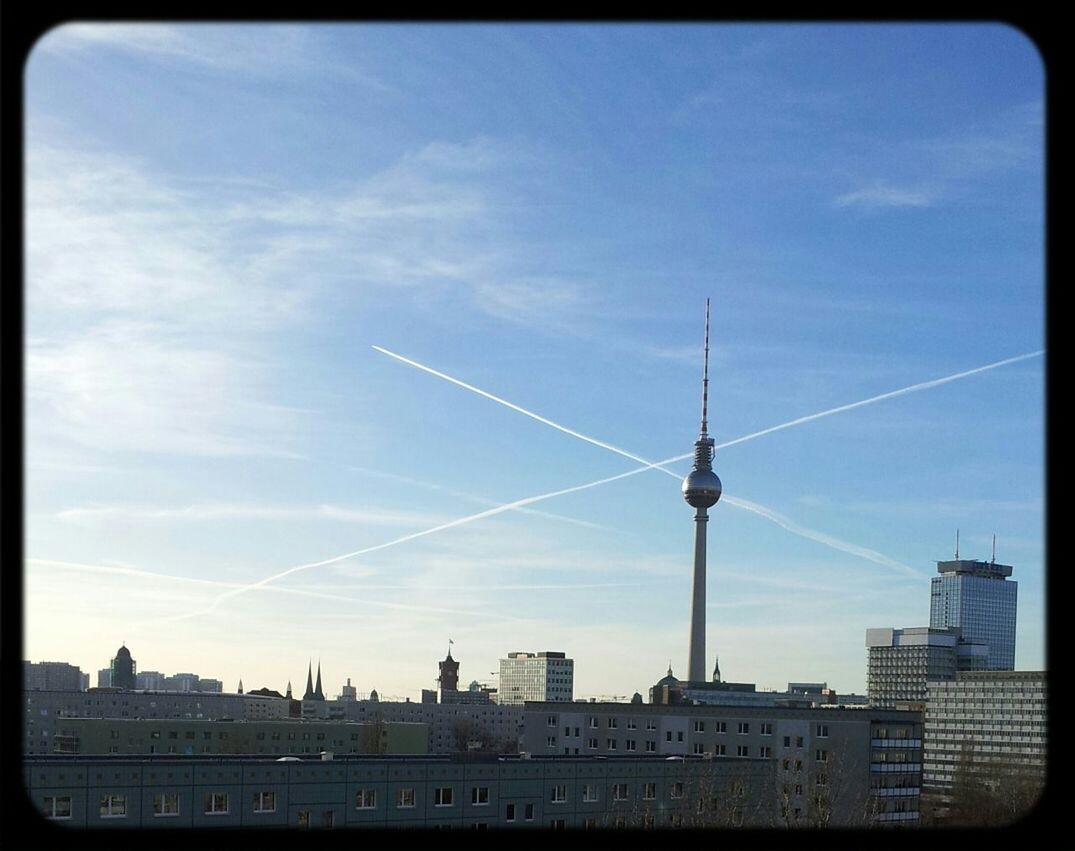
column 881, row 195
column 261, row 50
column 223, row 511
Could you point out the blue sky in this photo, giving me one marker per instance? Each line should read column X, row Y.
column 223, row 221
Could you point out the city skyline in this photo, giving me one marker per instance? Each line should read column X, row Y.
column 267, row 286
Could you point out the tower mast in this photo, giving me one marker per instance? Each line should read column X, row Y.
column 701, row 490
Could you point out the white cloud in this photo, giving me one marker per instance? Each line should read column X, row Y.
column 882, row 195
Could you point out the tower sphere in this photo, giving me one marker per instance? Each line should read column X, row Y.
column 701, row 488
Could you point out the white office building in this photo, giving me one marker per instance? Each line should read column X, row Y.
column 544, row 676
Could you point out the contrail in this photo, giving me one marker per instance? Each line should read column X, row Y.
column 892, row 393
column 514, row 407
column 449, row 525
column 821, row 537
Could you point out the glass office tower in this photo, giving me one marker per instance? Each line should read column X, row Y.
column 977, row 597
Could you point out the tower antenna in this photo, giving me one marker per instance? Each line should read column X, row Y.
column 957, row 543
column 705, row 375
column 994, row 561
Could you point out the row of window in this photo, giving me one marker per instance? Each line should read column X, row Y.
column 164, row 804
column 743, row 728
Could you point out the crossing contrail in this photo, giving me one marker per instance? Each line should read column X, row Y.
column 760, row 510
column 646, row 465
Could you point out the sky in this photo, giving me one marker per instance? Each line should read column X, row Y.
column 327, row 326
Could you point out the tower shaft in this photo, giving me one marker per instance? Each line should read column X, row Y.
column 696, row 663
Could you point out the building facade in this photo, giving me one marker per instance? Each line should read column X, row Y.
column 401, row 792
column 124, row 670
column 901, row 661
column 992, row 721
column 535, row 676
column 99, row 736
column 977, row 598
column 44, row 710
column 846, row 767
column 39, row 676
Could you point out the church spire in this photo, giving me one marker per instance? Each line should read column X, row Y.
column 318, row 694
column 310, row 681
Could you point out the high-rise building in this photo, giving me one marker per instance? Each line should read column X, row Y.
column 701, row 490
column 51, row 675
column 123, row 670
column 449, row 674
column 535, row 676
column 989, row 721
column 979, row 599
column 104, row 678
column 901, row 661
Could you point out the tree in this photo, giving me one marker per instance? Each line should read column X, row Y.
column 988, row 792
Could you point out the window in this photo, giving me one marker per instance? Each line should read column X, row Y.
column 679, row 735
column 366, row 799
column 699, row 726
column 619, row 791
column 632, row 724
column 528, row 813
column 651, row 746
column 630, row 744
column 668, row 735
column 166, row 804
column 327, row 818
column 216, row 803
column 557, row 824
column 304, row 818
column 405, row 798
column 742, row 750
column 787, row 741
column 479, row 795
column 822, row 730
column 567, row 732
column 649, row 791
column 611, row 744
column 559, row 793
column 798, row 741
column 551, row 721
column 58, row 807
column 720, row 750
column 744, row 727
column 590, row 793
column 550, row 742
column 264, row 802
column 591, row 824
column 591, row 743
column 720, row 726
column 114, row 806
column 699, row 748
column 798, row 765
column 509, row 812
column 442, row 796
column 798, row 788
column 593, row 722
column 647, row 821
column 766, row 751
column 677, row 789
column 613, row 723
column 767, row 729
column 651, row 724
column 822, row 755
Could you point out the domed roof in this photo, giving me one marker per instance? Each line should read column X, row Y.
column 668, row 680
column 123, row 651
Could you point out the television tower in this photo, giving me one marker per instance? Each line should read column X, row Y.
column 701, row 490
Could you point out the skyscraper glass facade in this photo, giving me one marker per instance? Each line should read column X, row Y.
column 977, row 597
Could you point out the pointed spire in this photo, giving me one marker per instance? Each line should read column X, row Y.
column 318, row 694
column 240, row 685
column 288, row 695
column 309, row 682
column 716, row 669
